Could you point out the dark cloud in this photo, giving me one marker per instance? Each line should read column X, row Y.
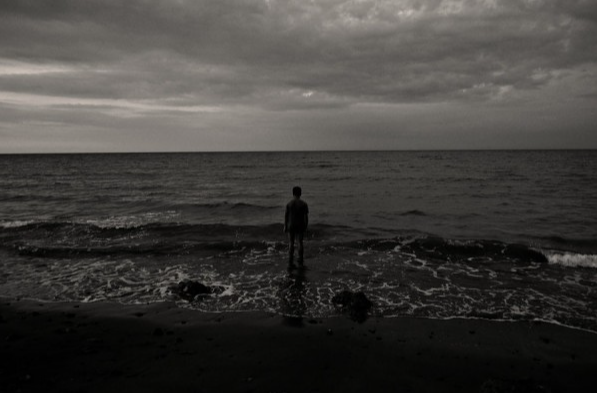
column 295, row 55
column 366, row 50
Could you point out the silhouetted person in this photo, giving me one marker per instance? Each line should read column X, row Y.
column 296, row 220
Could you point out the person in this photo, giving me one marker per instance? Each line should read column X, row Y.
column 296, row 220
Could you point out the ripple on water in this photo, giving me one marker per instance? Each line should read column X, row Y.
column 398, row 284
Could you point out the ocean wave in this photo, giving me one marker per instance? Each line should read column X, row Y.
column 569, row 259
column 155, row 223
column 145, row 249
column 134, row 220
column 233, row 205
column 419, row 275
column 162, row 234
column 452, row 250
column 33, row 198
column 65, row 239
column 15, row 223
column 413, row 212
column 580, row 245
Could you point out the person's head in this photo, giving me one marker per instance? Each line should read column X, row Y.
column 296, row 191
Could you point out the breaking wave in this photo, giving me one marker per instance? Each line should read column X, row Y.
column 114, row 237
column 569, row 259
column 412, row 273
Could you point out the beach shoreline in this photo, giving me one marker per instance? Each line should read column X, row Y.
column 99, row 347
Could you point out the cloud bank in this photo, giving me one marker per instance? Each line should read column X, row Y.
column 266, row 74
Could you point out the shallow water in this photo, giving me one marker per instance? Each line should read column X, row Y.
column 499, row 235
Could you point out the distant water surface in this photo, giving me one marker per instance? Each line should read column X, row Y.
column 491, row 234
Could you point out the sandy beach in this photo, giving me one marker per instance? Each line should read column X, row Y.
column 106, row 347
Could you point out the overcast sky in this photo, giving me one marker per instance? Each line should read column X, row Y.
column 199, row 75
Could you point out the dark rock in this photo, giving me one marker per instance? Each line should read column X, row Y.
column 356, row 305
column 193, row 290
column 158, row 332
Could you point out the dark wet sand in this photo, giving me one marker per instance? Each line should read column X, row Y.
column 107, row 347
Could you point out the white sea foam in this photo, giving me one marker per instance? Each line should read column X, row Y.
column 15, row 224
column 132, row 221
column 572, row 259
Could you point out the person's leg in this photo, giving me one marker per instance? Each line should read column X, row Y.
column 300, row 250
column 291, row 247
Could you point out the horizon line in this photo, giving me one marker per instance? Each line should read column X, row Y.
column 294, row 151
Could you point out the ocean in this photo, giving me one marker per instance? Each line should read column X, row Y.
column 501, row 235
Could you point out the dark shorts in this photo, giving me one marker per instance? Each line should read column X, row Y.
column 293, row 234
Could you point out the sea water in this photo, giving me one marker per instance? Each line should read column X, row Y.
column 508, row 235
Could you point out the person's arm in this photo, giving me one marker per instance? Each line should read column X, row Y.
column 286, row 217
